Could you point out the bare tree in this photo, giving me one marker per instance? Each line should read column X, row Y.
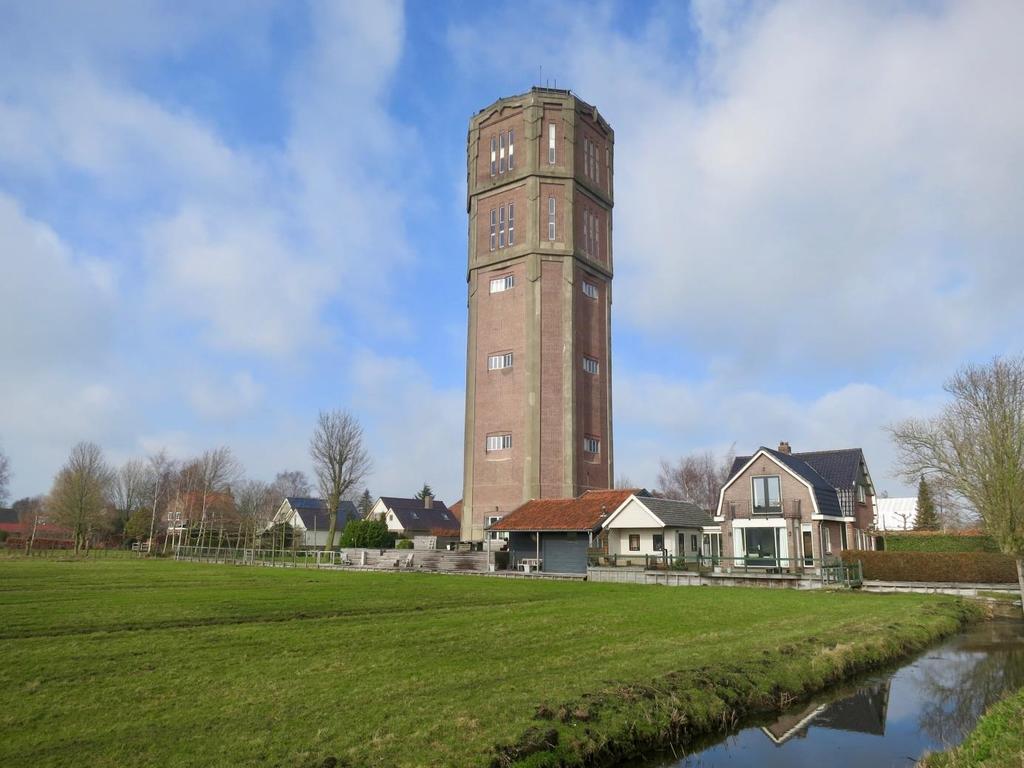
column 5, row 477
column 30, row 515
column 218, row 471
column 255, row 501
column 697, row 478
column 291, row 483
column 976, row 447
column 80, row 492
column 160, row 477
column 340, row 460
column 623, row 482
column 129, row 489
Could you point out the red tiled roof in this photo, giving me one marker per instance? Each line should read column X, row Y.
column 456, row 510
column 581, row 514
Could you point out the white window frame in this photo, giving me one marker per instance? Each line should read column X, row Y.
column 494, row 229
column 592, row 445
column 511, row 148
column 503, row 283
column 494, row 155
column 591, row 365
column 827, row 540
column 499, row 361
column 586, row 231
column 551, row 218
column 511, row 224
column 496, row 535
column 551, row 144
column 498, row 442
column 501, row 153
column 501, row 226
column 590, row 290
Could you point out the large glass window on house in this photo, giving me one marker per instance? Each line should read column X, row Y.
column 767, row 495
column 761, row 545
column 634, row 542
column 658, row 542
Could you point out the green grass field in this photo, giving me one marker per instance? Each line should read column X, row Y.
column 996, row 742
column 126, row 663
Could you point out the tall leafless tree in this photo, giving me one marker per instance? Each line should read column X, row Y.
column 81, row 492
column 5, row 477
column 129, row 489
column 160, row 478
column 30, row 516
column 219, row 470
column 340, row 460
column 255, row 502
column 291, row 483
column 975, row 445
column 697, row 478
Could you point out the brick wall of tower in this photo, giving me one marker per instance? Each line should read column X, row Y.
column 552, row 381
column 592, row 415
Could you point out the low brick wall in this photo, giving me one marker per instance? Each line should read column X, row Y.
column 691, row 579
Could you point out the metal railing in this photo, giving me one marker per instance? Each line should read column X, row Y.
column 830, row 571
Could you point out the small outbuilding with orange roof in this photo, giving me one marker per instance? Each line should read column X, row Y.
column 553, row 535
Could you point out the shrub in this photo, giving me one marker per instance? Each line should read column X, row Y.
column 926, row 541
column 3, row 536
column 403, row 544
column 372, row 534
column 963, row 567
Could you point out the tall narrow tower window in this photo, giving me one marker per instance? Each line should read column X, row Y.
column 594, row 164
column 586, row 156
column 511, row 220
column 501, row 153
column 501, row 227
column 590, row 365
column 597, row 237
column 586, row 231
column 494, row 228
column 551, row 218
column 494, row 155
column 511, row 149
column 551, row 143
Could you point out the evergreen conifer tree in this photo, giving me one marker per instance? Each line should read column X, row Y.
column 927, row 519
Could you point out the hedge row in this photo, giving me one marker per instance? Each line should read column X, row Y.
column 964, row 567
column 938, row 542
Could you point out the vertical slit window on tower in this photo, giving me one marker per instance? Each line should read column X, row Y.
column 501, row 153
column 597, row 238
column 590, row 365
column 511, row 149
column 586, row 157
column 597, row 167
column 551, row 218
column 511, row 217
column 494, row 228
column 591, row 445
column 501, row 227
column 494, row 155
column 551, row 143
column 586, row 230
column 499, row 361
column 498, row 442
column 589, row 290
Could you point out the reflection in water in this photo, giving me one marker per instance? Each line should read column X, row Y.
column 887, row 719
column 863, row 712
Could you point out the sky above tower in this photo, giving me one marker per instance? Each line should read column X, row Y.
column 216, row 219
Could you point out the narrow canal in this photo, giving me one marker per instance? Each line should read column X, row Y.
column 890, row 718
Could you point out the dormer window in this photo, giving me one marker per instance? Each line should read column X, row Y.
column 767, row 492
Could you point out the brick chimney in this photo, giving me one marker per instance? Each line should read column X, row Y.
column 428, row 501
column 784, row 448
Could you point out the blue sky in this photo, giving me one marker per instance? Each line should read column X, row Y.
column 216, row 220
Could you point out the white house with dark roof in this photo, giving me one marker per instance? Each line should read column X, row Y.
column 645, row 525
column 416, row 517
column 310, row 520
column 896, row 514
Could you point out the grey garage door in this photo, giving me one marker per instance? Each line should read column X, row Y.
column 565, row 553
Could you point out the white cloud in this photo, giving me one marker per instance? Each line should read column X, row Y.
column 414, row 430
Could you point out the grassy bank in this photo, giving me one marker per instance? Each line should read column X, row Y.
column 110, row 663
column 996, row 742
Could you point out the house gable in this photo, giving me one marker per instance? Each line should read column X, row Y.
column 633, row 514
column 763, row 462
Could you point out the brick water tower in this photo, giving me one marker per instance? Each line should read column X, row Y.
column 538, row 367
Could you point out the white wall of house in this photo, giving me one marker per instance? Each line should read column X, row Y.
column 377, row 510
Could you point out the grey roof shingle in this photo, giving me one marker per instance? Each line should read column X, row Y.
column 677, row 514
column 414, row 516
column 313, row 513
column 840, row 468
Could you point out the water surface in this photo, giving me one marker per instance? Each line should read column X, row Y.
column 889, row 718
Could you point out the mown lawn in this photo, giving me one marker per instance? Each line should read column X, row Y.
column 126, row 663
